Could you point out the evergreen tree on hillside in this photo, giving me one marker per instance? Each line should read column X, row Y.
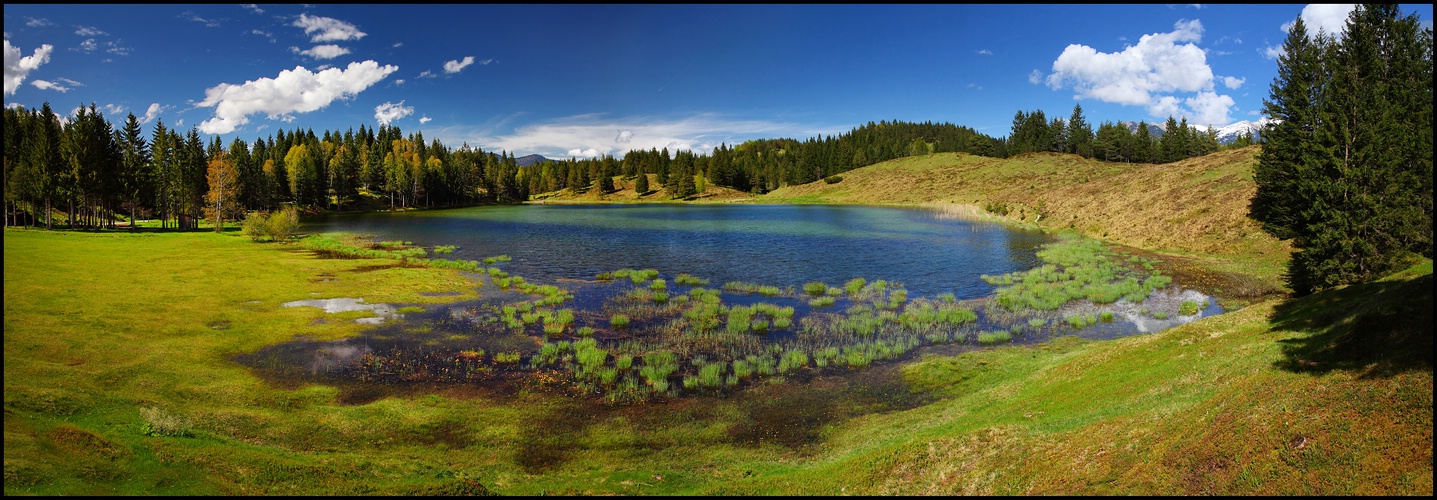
column 641, row 184
column 1346, row 169
column 1080, row 134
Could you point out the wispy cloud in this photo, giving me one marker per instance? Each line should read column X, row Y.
column 38, row 22
column 1035, row 77
column 89, row 31
column 17, row 68
column 593, row 135
column 985, row 52
column 327, row 51
column 191, row 16
column 263, row 33
column 48, row 85
column 292, row 91
column 327, row 29
column 253, row 8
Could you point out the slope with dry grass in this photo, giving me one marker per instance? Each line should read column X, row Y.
column 1196, row 208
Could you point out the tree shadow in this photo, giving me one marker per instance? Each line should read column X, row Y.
column 1377, row 329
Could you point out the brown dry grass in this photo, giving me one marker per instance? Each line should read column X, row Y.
column 1196, row 208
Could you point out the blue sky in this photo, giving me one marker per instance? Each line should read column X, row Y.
column 575, row 81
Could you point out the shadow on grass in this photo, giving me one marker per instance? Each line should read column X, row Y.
column 1376, row 329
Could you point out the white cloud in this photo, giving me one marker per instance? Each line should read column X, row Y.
column 427, row 74
column 591, row 135
column 397, row 45
column 17, row 68
column 1208, row 109
column 425, row 119
column 399, row 81
column 252, row 7
column 457, row 66
column 328, row 51
column 330, row 29
column 1273, row 53
column 209, row 23
column 38, row 22
column 47, row 85
column 113, row 109
column 89, row 31
column 1327, row 18
column 1232, row 82
column 292, row 91
column 152, row 112
column 388, row 112
column 88, row 45
column 1035, row 77
column 1146, row 74
column 985, row 52
column 263, row 33
column 487, row 61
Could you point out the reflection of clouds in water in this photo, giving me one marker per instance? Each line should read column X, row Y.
column 327, row 359
column 384, row 311
column 1140, row 315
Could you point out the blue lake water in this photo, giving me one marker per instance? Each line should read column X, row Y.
column 779, row 245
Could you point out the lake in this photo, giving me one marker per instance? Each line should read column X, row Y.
column 779, row 245
column 921, row 287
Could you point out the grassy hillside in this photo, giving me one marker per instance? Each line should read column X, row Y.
column 119, row 379
column 1195, row 208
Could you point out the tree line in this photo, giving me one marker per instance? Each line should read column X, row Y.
column 98, row 174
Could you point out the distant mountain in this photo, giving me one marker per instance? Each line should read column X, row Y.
column 1155, row 130
column 1225, row 134
column 1230, row 133
column 527, row 160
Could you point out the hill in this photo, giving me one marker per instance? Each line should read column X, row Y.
column 1193, row 209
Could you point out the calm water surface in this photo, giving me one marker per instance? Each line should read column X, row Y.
column 780, row 245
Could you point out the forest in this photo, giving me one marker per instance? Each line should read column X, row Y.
column 100, row 174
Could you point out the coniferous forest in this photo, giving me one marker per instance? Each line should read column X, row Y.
column 104, row 173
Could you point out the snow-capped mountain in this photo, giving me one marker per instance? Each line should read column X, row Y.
column 1228, row 134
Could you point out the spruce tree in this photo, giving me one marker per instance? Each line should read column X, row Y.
column 1346, row 173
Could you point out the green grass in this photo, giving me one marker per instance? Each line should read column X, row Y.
column 122, row 382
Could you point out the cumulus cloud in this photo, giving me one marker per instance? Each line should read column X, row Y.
column 293, row 91
column 1273, row 52
column 38, row 22
column 1327, row 18
column 399, row 81
column 457, row 66
column 388, row 112
column 329, row 29
column 1232, row 82
column 1146, row 74
column 1035, row 77
column 425, row 119
column 624, row 137
column 113, row 109
column 17, row 67
column 327, row 51
column 152, row 112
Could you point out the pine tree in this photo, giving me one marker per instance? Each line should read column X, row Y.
column 1080, row 134
column 641, row 184
column 1346, row 173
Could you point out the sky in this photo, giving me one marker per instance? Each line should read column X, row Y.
column 568, row 81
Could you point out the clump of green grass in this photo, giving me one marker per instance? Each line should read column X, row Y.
column 1160, row 315
column 690, row 280
column 1106, row 316
column 854, row 286
column 658, row 285
column 619, row 321
column 445, row 249
column 489, row 261
column 821, row 302
column 993, row 337
column 815, row 288
column 1188, row 308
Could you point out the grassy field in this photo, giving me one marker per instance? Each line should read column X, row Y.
column 120, row 379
